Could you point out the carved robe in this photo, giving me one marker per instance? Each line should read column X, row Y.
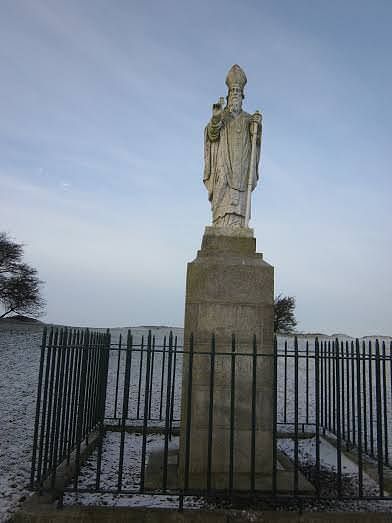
column 227, row 152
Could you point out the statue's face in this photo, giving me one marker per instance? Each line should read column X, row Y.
column 235, row 99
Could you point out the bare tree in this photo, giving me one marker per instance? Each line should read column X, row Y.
column 284, row 316
column 19, row 283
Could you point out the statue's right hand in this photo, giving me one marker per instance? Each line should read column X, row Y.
column 217, row 111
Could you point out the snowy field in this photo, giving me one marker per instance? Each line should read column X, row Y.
column 19, row 352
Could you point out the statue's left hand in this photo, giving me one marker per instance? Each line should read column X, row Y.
column 255, row 123
column 257, row 117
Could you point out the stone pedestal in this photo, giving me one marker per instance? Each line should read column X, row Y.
column 230, row 289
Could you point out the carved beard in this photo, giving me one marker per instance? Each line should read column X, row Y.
column 235, row 104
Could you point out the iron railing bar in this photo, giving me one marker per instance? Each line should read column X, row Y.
column 167, row 416
column 188, row 418
column 364, row 395
column 211, row 413
column 55, row 402
column 348, row 398
column 385, row 409
column 334, row 411
column 371, row 417
column 296, row 457
column 38, row 406
column 100, row 406
column 173, row 387
column 60, row 404
column 353, row 406
column 359, row 419
column 146, row 407
column 275, row 418
column 127, row 379
column 317, row 401
column 152, row 377
column 338, row 419
column 117, row 374
column 81, row 403
column 329, row 388
column 307, row 381
column 80, row 350
column 66, row 397
column 140, row 377
column 67, row 449
column 321, row 363
column 380, row 460
column 342, row 391
column 232, row 407
column 45, row 407
column 162, row 378
column 285, row 383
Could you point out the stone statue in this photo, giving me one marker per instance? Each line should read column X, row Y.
column 232, row 141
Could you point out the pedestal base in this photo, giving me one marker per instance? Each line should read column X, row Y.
column 263, row 483
column 230, row 290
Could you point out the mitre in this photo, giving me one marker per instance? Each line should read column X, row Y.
column 236, row 77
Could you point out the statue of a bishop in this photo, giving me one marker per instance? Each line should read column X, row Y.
column 231, row 170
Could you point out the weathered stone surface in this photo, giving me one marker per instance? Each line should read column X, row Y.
column 238, row 232
column 230, row 289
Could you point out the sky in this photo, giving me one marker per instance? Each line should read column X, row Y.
column 103, row 106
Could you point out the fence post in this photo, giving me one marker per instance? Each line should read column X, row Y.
column 163, row 365
column 211, row 412
column 146, row 410
column 141, row 353
column 364, row 397
column 188, row 421
column 117, row 375
column 253, row 434
column 379, row 422
column 342, row 391
column 168, row 409
column 348, row 409
column 56, row 435
column 338, row 418
column 359, row 416
column 104, row 354
column 317, row 401
column 45, row 408
column 127, row 381
column 173, row 388
column 385, row 409
column 296, row 457
column 285, row 384
column 66, row 396
column 81, row 401
column 38, row 407
column 371, row 417
column 232, row 413
column 275, row 416
column 71, row 399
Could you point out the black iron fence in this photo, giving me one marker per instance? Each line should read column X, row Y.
column 340, row 391
column 330, row 416
column 127, row 379
column 70, row 400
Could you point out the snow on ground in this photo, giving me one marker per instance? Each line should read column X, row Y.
column 328, row 477
column 131, row 475
column 19, row 353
